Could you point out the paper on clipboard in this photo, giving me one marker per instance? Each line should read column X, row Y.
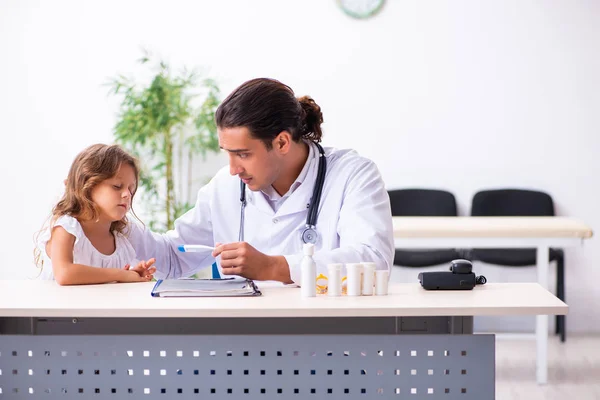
column 227, row 287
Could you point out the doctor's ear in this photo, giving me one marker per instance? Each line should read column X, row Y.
column 282, row 141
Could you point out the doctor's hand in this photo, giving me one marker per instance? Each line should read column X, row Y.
column 244, row 260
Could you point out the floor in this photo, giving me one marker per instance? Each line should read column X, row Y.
column 573, row 369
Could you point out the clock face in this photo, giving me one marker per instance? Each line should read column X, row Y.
column 360, row 8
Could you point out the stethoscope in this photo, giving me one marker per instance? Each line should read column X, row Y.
column 309, row 234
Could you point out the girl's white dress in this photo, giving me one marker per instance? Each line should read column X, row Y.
column 83, row 250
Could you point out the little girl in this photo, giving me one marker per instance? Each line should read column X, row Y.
column 86, row 241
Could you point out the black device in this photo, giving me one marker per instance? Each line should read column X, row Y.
column 460, row 277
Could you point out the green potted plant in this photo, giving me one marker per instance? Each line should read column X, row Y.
column 159, row 123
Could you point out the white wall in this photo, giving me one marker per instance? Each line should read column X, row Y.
column 460, row 95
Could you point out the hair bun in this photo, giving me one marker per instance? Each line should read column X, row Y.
column 313, row 118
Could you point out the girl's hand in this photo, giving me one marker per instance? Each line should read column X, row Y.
column 129, row 275
column 144, row 268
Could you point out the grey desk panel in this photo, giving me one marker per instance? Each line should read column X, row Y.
column 249, row 367
column 233, row 326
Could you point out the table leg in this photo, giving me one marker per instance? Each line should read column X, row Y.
column 541, row 326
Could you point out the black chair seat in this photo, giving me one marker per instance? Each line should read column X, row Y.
column 512, row 257
column 424, row 258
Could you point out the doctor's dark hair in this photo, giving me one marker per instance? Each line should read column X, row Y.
column 267, row 107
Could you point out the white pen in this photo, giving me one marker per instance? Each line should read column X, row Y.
column 194, row 248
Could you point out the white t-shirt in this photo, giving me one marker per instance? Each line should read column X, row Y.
column 83, row 251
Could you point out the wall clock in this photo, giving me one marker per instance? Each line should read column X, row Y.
column 361, row 8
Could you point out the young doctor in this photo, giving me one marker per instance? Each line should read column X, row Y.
column 281, row 190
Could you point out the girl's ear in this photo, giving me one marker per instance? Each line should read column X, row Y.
column 65, row 182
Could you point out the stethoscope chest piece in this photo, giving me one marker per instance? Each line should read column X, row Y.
column 309, row 235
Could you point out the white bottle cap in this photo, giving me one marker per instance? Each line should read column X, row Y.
column 308, row 249
column 334, row 267
column 369, row 266
column 354, row 267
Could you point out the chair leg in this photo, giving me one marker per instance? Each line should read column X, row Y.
column 560, row 296
column 561, row 326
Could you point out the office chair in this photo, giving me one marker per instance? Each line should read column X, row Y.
column 423, row 202
column 517, row 202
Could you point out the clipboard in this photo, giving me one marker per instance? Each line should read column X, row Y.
column 223, row 287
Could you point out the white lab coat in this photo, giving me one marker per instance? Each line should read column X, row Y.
column 354, row 220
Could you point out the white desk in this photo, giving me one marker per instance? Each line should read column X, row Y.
column 498, row 232
column 133, row 300
column 114, row 338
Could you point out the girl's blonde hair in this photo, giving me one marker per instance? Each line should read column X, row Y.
column 92, row 166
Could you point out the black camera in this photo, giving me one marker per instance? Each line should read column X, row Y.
column 460, row 277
